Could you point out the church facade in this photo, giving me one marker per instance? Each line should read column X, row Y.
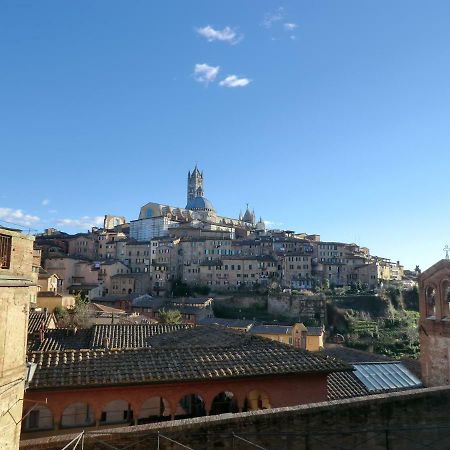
column 155, row 219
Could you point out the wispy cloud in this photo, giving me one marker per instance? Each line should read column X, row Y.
column 272, row 17
column 289, row 26
column 81, row 223
column 228, row 34
column 18, row 217
column 277, row 22
column 45, row 202
column 232, row 81
column 204, row 73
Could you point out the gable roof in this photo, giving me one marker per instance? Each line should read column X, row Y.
column 199, row 354
column 443, row 264
column 38, row 318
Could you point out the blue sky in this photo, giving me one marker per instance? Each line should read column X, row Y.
column 328, row 117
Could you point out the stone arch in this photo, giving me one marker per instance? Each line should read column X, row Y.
column 77, row 414
column 224, row 402
column 430, row 301
column 191, row 405
column 116, row 411
column 256, row 400
column 38, row 418
column 154, row 409
column 445, row 299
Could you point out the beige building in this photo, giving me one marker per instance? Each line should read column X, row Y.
column 74, row 273
column 51, row 300
column 297, row 270
column 294, row 335
column 138, row 256
column 164, row 263
column 17, row 288
column 48, row 282
column 130, row 283
column 84, row 245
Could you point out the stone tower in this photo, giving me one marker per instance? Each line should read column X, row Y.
column 434, row 324
column 194, row 184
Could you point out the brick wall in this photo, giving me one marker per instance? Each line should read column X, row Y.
column 16, row 291
column 398, row 421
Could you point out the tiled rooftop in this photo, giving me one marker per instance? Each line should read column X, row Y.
column 228, row 323
column 190, row 354
column 129, row 336
column 35, row 320
column 344, row 385
column 119, row 335
column 270, row 329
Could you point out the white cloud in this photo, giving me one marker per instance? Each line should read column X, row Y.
column 204, row 73
column 290, row 26
column 232, row 81
column 18, row 217
column 45, row 202
column 226, row 35
column 83, row 222
column 273, row 17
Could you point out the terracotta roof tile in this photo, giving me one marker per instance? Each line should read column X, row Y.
column 186, row 354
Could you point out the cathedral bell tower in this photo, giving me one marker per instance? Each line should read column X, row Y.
column 194, row 184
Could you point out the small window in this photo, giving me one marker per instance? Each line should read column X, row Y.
column 5, row 251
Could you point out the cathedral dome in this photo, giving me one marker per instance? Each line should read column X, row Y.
column 200, row 204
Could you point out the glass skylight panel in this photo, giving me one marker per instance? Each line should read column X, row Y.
column 385, row 376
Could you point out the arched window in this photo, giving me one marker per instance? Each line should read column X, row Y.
column 224, row 402
column 430, row 299
column 39, row 418
column 191, row 405
column 116, row 411
column 445, row 306
column 256, row 400
column 77, row 415
column 154, row 409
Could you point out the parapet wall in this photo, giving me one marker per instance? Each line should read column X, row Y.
column 398, row 421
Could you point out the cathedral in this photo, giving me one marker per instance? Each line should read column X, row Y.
column 199, row 212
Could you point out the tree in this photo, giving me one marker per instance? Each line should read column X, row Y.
column 61, row 315
column 169, row 317
column 202, row 290
column 80, row 315
column 181, row 289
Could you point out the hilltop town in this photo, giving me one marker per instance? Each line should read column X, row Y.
column 194, row 246
column 182, row 313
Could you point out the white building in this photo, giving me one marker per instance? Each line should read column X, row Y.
column 147, row 229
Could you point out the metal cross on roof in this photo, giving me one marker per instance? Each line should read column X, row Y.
column 446, row 250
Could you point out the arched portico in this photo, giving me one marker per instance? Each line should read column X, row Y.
column 154, row 409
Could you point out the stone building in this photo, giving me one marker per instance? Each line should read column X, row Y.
column 434, row 324
column 83, row 244
column 17, row 289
